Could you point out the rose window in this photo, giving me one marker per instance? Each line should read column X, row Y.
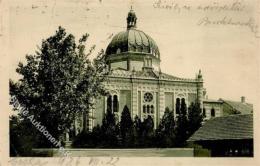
column 148, row 97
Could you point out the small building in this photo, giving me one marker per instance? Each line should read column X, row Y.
column 212, row 108
column 227, row 136
column 222, row 107
column 236, row 107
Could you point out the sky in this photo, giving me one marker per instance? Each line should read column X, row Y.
column 228, row 55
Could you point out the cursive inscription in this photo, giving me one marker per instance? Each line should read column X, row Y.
column 223, row 10
column 27, row 162
column 234, row 6
column 94, row 161
column 250, row 23
column 171, row 5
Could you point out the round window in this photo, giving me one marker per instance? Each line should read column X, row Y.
column 148, row 97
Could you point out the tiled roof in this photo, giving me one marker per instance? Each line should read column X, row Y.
column 243, row 108
column 225, row 128
column 120, row 73
column 146, row 74
column 165, row 76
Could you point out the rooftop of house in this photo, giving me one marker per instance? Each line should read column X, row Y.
column 225, row 128
column 240, row 106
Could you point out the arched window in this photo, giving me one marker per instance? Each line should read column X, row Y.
column 183, row 106
column 115, row 103
column 144, row 109
column 212, row 112
column 109, row 102
column 148, row 109
column 152, row 109
column 182, row 100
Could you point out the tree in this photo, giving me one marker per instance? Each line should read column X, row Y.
column 178, row 106
column 21, row 139
column 97, row 132
column 109, row 130
column 148, row 125
column 165, row 134
column 147, row 132
column 59, row 81
column 88, row 139
column 182, row 125
column 126, row 126
column 137, row 131
column 195, row 117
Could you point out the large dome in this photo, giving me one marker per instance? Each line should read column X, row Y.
column 132, row 41
column 133, row 49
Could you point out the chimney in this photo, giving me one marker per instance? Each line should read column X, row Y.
column 243, row 99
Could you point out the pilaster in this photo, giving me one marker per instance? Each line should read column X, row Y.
column 134, row 100
column 161, row 102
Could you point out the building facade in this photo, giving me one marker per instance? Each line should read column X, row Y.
column 136, row 80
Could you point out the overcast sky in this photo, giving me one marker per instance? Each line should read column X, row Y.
column 226, row 54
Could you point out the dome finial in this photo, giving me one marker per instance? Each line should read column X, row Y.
column 200, row 74
column 131, row 19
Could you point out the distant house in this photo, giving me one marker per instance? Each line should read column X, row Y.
column 235, row 107
column 226, row 136
column 222, row 107
column 212, row 108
